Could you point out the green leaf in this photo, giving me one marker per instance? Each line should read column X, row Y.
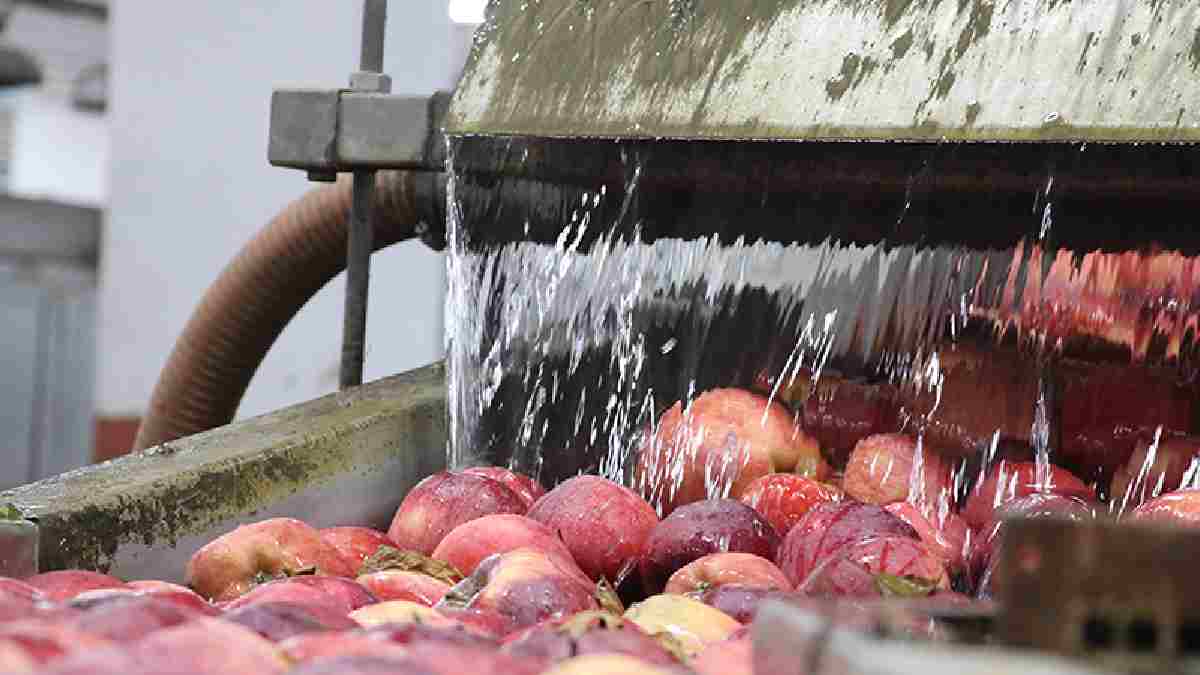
column 390, row 558
column 895, row 586
column 10, row 512
column 606, row 595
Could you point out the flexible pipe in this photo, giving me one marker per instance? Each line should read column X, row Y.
column 257, row 294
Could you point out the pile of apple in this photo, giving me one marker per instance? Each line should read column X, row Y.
column 483, row 571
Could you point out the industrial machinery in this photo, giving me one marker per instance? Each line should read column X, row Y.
column 644, row 200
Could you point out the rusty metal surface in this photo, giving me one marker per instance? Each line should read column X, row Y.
column 342, row 459
column 1122, row 594
column 986, row 70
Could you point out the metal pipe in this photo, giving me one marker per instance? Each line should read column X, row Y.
column 361, row 231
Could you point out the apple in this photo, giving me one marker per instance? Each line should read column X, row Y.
column 983, row 554
column 14, row 660
column 66, row 584
column 840, row 412
column 207, row 646
column 731, row 657
column 946, row 534
column 442, row 658
column 587, row 633
column 400, row 612
column 233, row 563
column 739, row 602
column 409, row 633
column 725, row 440
column 1181, row 508
column 1154, row 469
column 336, row 594
column 887, row 468
column 691, row 624
column 132, row 618
column 602, row 524
column 486, row 621
column 404, row 585
column 525, row 587
column 444, row 501
column 829, row 527
column 718, row 569
column 390, row 661
column 180, row 595
column 528, row 489
column 783, row 498
column 281, row 620
column 1010, row 480
column 355, row 544
column 468, row 544
column 885, row 565
column 43, row 641
column 699, row 529
column 16, row 590
column 606, row 664
column 311, row 646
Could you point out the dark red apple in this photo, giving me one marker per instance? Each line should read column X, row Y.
column 723, row 442
column 858, row 570
column 587, row 633
column 718, row 569
column 444, row 501
column 233, row 563
column 827, row 528
column 602, row 524
column 699, row 529
column 133, row 618
column 66, row 584
column 784, row 498
column 281, row 620
column 524, row 586
column 739, row 602
column 1010, row 480
column 528, row 489
column 470, row 543
column 355, row 544
column 945, row 533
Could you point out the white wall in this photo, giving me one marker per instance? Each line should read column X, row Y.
column 58, row 153
column 189, row 184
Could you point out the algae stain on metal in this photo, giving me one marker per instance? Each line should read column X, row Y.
column 973, row 110
column 1194, row 52
column 979, row 24
column 902, row 44
column 1087, row 47
column 854, row 70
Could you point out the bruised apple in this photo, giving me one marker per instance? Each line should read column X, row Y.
column 1010, row 480
column 784, row 498
column 723, row 442
column 470, row 543
column 528, row 489
column 886, row 565
column 587, row 633
column 444, row 501
column 525, row 587
column 827, row 528
column 718, row 569
column 602, row 524
column 887, row 468
column 699, row 529
column 66, row 584
column 233, row 563
column 692, row 624
column 355, row 544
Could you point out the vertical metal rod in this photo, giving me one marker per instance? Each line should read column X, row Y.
column 360, row 240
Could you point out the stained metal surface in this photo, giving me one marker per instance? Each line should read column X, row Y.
column 986, row 70
column 18, row 548
column 345, row 458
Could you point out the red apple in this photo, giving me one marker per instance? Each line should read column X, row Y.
column 731, row 657
column 1153, row 469
column 739, row 602
column 718, row 569
column 693, row 624
column 174, row 593
column 468, row 544
column 410, row 633
column 587, row 633
column 392, row 661
column 485, row 621
column 699, row 529
column 1009, row 480
column 827, row 528
column 66, row 584
column 784, row 498
column 441, row 658
column 855, row 570
column 281, row 620
column 603, row 524
column 524, row 586
column 133, row 618
column 43, row 641
column 355, row 544
column 207, row 646
column 16, row 590
column 528, row 489
column 606, row 664
column 887, row 468
column 983, row 552
column 444, row 501
column 945, row 533
column 1181, row 508
column 312, row 646
column 337, row 594
column 404, row 585
column 725, row 440
column 14, row 660
column 231, row 564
